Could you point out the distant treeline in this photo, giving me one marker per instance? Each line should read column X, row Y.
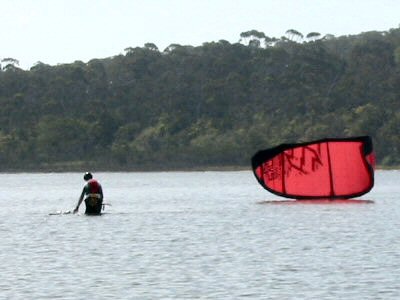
column 209, row 106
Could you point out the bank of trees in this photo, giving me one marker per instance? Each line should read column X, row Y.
column 211, row 105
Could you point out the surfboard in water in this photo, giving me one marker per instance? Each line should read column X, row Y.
column 67, row 212
column 323, row 169
column 60, row 212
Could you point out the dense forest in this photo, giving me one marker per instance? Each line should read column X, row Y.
column 212, row 105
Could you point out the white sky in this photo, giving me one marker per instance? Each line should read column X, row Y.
column 62, row 31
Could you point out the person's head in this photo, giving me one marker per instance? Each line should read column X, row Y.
column 87, row 176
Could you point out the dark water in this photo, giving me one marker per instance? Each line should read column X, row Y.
column 194, row 235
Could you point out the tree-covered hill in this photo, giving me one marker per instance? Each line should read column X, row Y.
column 194, row 107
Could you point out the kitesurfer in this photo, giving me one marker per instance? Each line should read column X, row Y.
column 94, row 196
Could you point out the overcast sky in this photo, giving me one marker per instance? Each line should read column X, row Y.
column 62, row 31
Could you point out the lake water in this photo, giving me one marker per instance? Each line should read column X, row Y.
column 194, row 235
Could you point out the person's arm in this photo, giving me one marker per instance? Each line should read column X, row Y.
column 101, row 193
column 80, row 201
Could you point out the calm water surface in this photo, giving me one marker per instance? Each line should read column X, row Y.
column 194, row 235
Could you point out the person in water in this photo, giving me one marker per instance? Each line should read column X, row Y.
column 94, row 196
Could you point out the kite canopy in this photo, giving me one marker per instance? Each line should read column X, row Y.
column 327, row 168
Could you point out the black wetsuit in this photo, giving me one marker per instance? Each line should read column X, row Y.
column 94, row 197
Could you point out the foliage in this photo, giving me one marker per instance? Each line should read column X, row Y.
column 211, row 105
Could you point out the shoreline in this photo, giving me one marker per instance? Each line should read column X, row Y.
column 126, row 170
column 58, row 169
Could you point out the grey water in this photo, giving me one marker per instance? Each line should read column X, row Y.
column 194, row 235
